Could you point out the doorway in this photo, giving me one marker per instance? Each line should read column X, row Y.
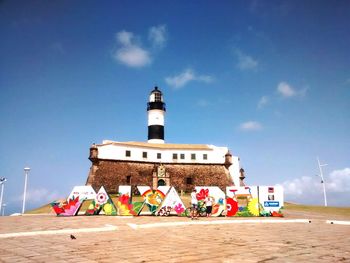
column 161, row 182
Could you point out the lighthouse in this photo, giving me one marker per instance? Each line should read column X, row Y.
column 155, row 162
column 156, row 113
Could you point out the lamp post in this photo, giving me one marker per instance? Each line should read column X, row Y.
column 2, row 183
column 322, row 181
column 3, row 209
column 26, row 171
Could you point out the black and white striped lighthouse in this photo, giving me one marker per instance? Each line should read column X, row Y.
column 156, row 113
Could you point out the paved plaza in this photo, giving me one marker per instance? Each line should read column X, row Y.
column 47, row 238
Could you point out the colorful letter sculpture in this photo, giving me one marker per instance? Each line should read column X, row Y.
column 231, row 206
column 124, row 205
column 219, row 204
column 67, row 208
column 152, row 199
column 238, row 201
column 242, row 201
column 254, row 200
column 171, row 202
column 271, row 200
column 102, row 202
column 74, row 201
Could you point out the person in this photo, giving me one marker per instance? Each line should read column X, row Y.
column 209, row 205
column 194, row 204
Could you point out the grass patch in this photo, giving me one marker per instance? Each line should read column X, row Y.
column 330, row 210
column 45, row 209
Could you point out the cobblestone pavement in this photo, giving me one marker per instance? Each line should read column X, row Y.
column 219, row 242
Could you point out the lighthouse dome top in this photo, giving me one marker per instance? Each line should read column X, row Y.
column 156, row 95
column 156, row 90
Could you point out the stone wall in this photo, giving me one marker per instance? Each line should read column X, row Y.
column 111, row 174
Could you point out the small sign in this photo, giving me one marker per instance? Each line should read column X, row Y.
column 271, row 204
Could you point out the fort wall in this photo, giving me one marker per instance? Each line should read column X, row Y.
column 112, row 173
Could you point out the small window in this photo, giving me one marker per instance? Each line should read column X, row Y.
column 175, row 156
column 193, row 156
column 144, row 154
column 205, row 156
column 127, row 153
column 159, row 156
column 182, row 156
column 188, row 180
column 157, row 97
column 128, row 179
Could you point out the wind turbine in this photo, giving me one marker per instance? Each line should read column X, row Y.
column 322, row 180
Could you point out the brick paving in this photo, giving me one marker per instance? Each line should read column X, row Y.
column 246, row 242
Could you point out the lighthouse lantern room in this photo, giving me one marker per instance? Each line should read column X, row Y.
column 156, row 113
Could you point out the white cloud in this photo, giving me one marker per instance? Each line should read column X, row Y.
column 309, row 189
column 125, row 38
column 185, row 77
column 133, row 56
column 339, row 181
column 245, row 62
column 130, row 52
column 285, row 90
column 158, row 35
column 180, row 80
column 300, row 186
column 264, row 100
column 39, row 196
column 250, row 126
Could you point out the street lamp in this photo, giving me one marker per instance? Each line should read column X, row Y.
column 26, row 171
column 3, row 209
column 322, row 180
column 2, row 183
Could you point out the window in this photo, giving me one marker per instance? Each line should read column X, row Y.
column 188, row 180
column 127, row 153
column 144, row 154
column 193, row 156
column 182, row 156
column 175, row 156
column 159, row 155
column 128, row 179
column 157, row 96
column 205, row 156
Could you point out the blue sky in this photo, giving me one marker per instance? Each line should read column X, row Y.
column 268, row 79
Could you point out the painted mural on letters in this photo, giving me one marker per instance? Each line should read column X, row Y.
column 102, row 202
column 171, row 203
column 238, row 201
column 217, row 195
column 253, row 201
